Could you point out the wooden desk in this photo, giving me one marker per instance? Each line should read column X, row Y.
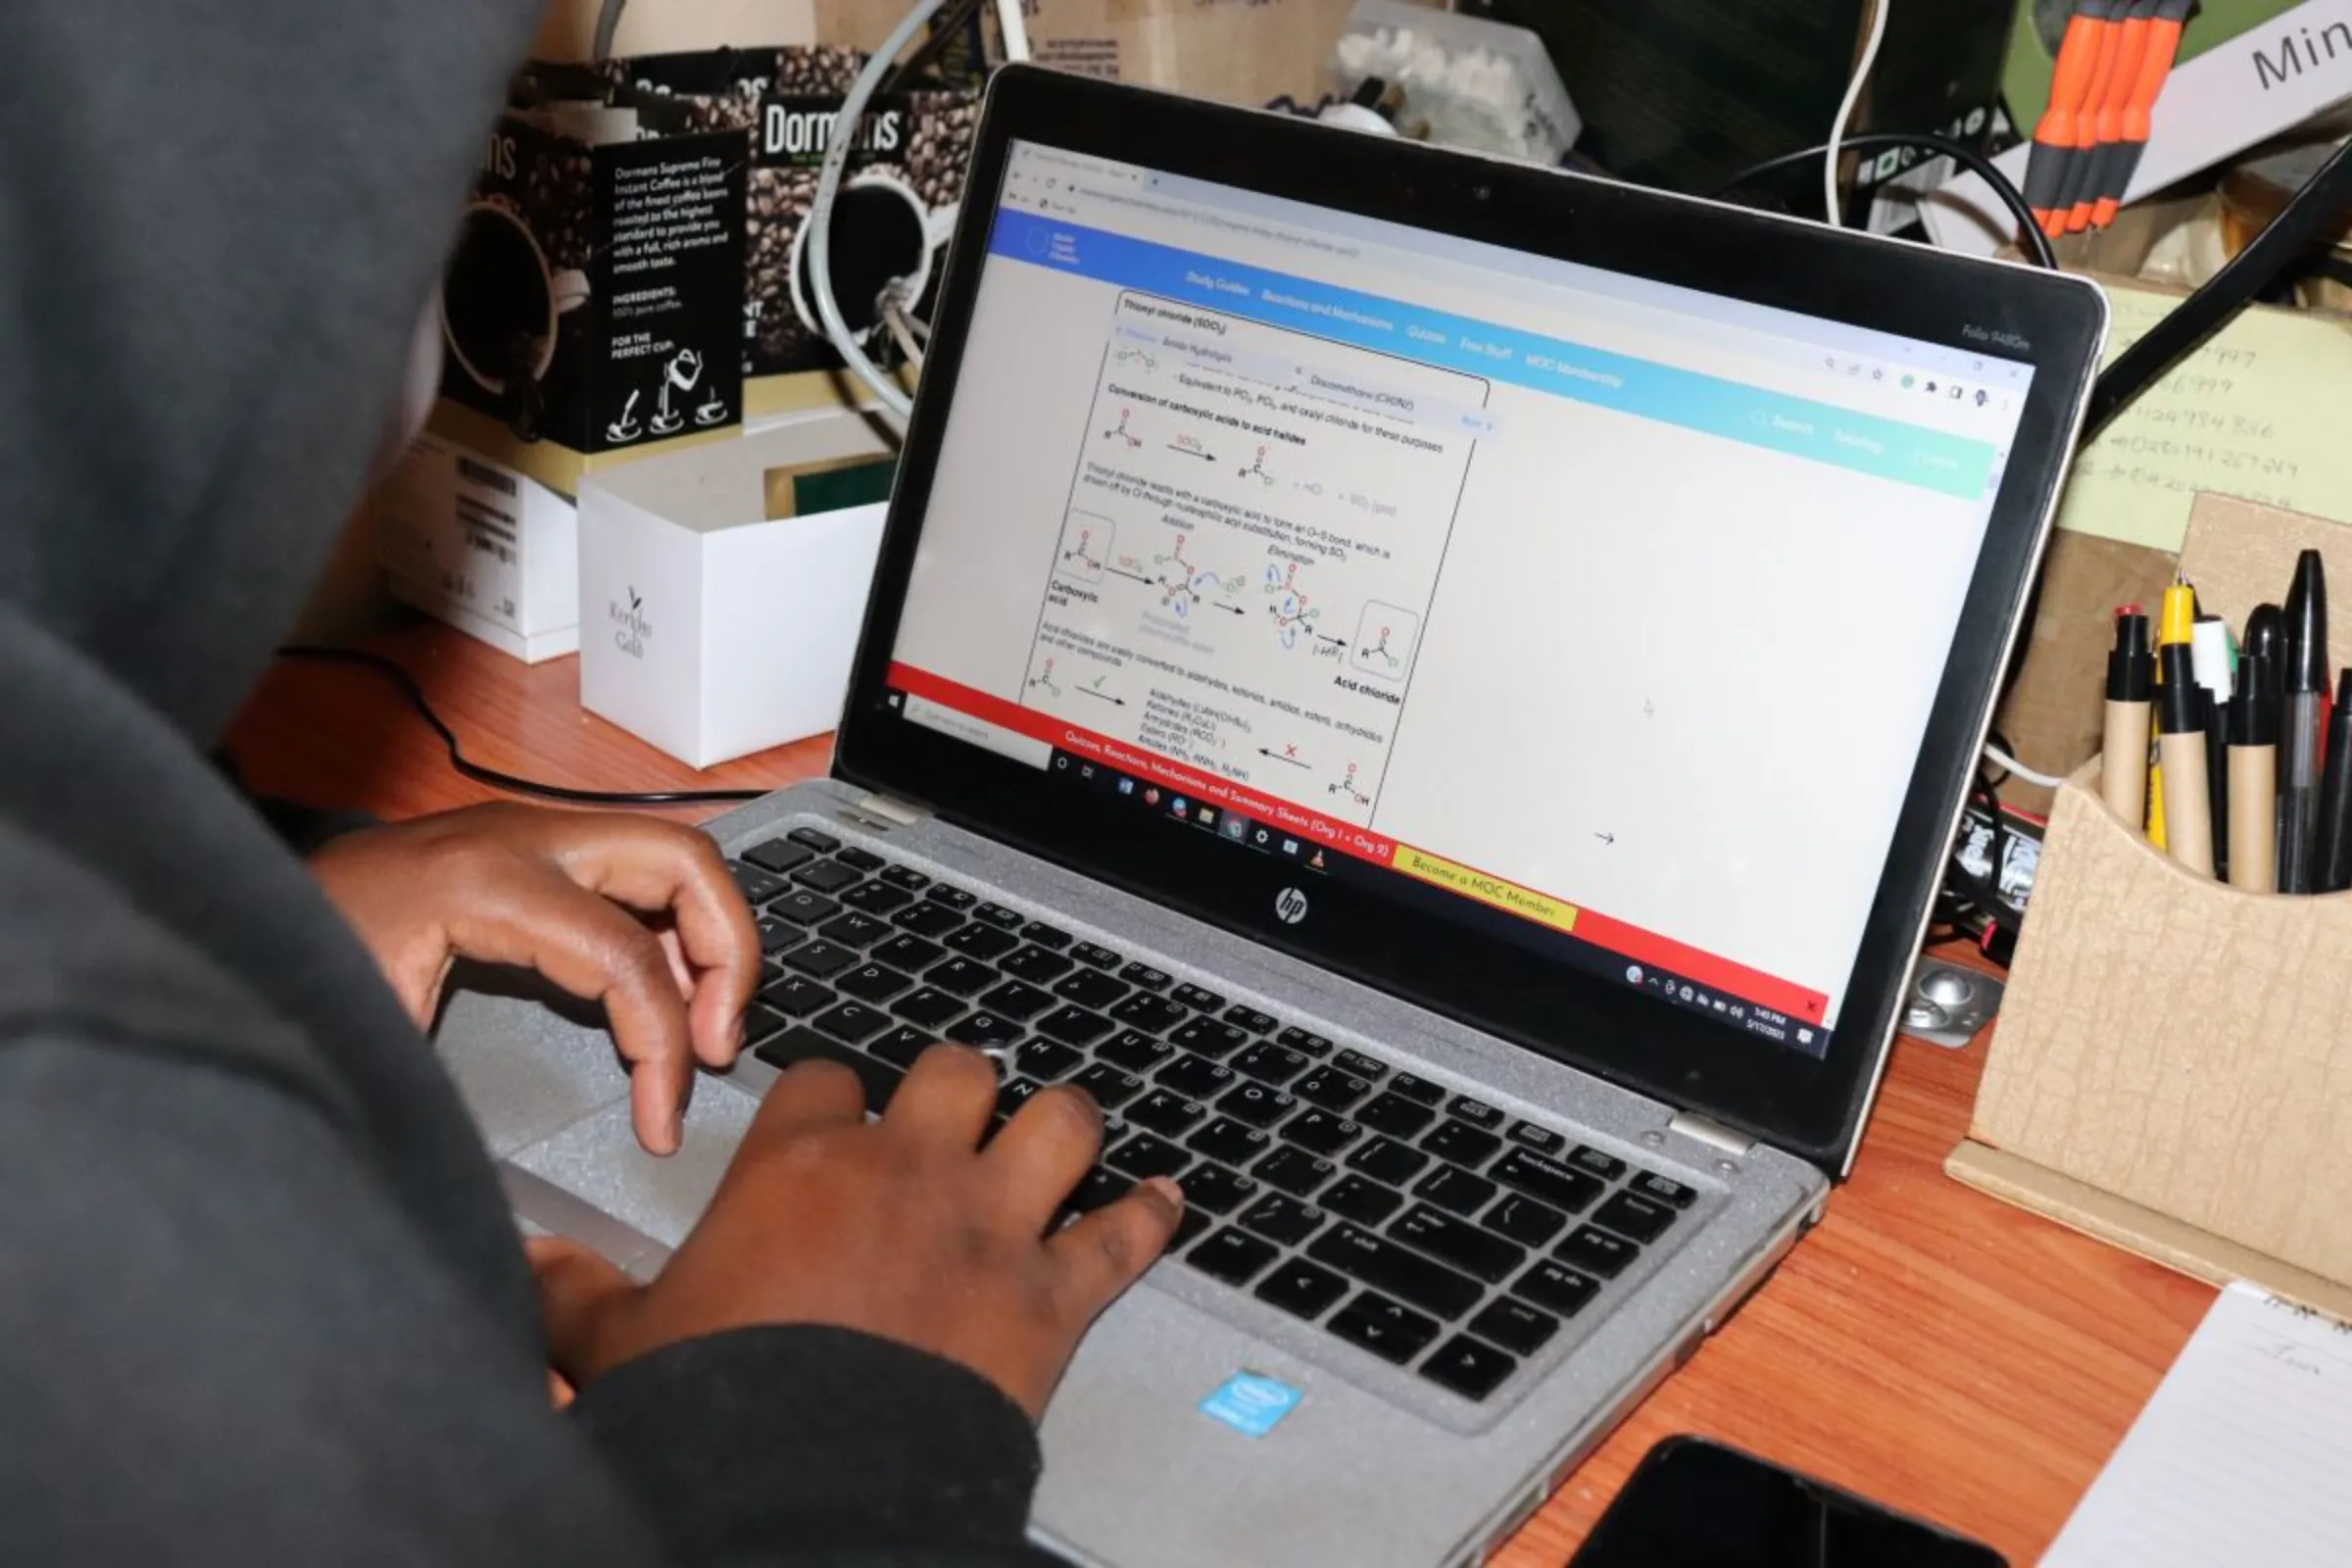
column 1926, row 1346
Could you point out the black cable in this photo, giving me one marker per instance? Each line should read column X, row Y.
column 2037, row 244
column 491, row 776
column 2313, row 214
column 607, row 22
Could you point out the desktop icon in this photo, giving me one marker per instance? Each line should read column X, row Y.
column 1181, row 807
column 1262, row 839
column 1804, row 1037
column 1632, row 974
column 1237, row 828
column 1209, row 816
column 1316, row 860
column 1152, row 796
column 1289, row 847
column 1126, row 786
column 1687, row 993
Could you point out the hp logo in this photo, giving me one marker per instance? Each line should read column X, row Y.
column 1291, row 906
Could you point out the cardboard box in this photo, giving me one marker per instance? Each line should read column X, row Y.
column 478, row 545
column 709, row 627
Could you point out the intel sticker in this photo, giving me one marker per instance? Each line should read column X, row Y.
column 1250, row 1404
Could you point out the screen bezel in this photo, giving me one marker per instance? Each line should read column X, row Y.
column 1809, row 1106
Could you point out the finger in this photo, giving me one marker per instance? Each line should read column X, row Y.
column 577, row 1288
column 540, row 919
column 948, row 1098
column 1043, row 1152
column 807, row 1096
column 1103, row 1253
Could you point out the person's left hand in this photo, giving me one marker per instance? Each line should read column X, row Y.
column 638, row 915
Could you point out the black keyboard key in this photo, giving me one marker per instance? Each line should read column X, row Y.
column 1271, row 1063
column 1420, row 1091
column 961, row 976
column 1214, row 1189
column 853, row 1022
column 779, row 856
column 1196, row 1077
column 1301, row 1289
column 1514, row 1325
column 1596, row 1252
column 1543, row 1140
column 1111, row 1087
column 1046, row 936
column 827, row 876
column 1389, row 1331
column 1322, row 1133
column 1560, row 1289
column 1165, row 1111
column 1629, row 1214
column 1138, row 1051
column 1477, row 1112
column 1232, row 1256
column 865, row 860
column 1394, row 1115
column 911, row 953
column 803, row 907
column 953, row 898
column 1462, row 1142
column 928, row 1008
column 796, row 996
column 877, row 897
column 1358, row 1064
column 1293, row 1171
column 928, row 920
column 1381, row 1263
column 1094, row 956
column 1017, row 1093
column 902, row 876
column 880, row 1079
column 1139, row 973
column 1540, row 1176
column 1280, row 1217
column 1099, row 1190
column 821, row 842
column 1188, row 1230
column 1331, row 1089
column 1299, row 1040
column 1467, row 1367
column 1525, row 1220
column 1608, row 1167
column 1207, row 1037
column 874, row 982
column 1456, row 1190
column 1001, row 918
column 1074, row 1026
column 1197, row 997
column 903, row 1045
column 1148, row 1155
column 760, row 1021
column 1363, row 1199
column 1464, row 1245
column 982, row 942
column 1018, row 998
column 776, row 933
column 1229, row 1141
column 1037, row 964
column 1146, row 1011
column 756, row 885
column 1663, row 1190
column 984, row 1031
column 1249, row 1019
column 1043, row 1059
column 1256, row 1104
column 1090, row 988
column 1388, row 1161
column 853, row 930
column 823, row 960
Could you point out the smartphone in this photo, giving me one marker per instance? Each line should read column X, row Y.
column 1693, row 1503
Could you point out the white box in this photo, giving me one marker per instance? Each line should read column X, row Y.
column 473, row 543
column 709, row 629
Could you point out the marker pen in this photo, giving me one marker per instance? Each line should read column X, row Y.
column 2265, row 634
column 2300, row 718
column 2254, row 777
column 2331, row 862
column 2131, row 685
column 2181, row 742
column 2209, row 653
column 2173, row 625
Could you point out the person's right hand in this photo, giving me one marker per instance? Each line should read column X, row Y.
column 903, row 1228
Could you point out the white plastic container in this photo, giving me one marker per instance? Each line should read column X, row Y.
column 1475, row 84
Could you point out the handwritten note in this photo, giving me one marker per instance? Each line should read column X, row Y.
column 2258, row 413
column 2244, row 1456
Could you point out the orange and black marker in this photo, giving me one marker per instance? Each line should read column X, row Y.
column 2069, row 127
column 2110, row 96
column 2160, row 48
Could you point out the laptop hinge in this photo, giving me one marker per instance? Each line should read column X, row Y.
column 888, row 810
column 1713, row 1134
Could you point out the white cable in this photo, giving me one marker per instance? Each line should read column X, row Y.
column 821, row 211
column 1845, row 110
column 2003, row 761
column 1016, row 29
column 902, row 329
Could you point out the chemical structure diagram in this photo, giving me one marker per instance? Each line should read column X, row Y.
column 1379, row 650
column 1044, row 679
column 1119, row 431
column 1182, row 585
column 1293, row 618
column 1385, row 639
column 1133, row 356
column 1346, row 787
column 1186, row 446
column 1257, row 471
column 1082, row 552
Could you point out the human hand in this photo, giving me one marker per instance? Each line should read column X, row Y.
column 903, row 1228
column 638, row 915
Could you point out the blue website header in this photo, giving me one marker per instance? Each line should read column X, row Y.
column 1886, row 449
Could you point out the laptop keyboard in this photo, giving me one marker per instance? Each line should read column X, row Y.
column 1428, row 1229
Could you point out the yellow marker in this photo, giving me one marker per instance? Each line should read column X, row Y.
column 2175, row 625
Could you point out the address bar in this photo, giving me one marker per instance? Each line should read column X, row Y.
column 1225, row 222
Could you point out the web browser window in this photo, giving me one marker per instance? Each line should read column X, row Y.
column 1606, row 613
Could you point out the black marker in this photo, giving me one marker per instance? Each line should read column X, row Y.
column 2300, row 719
column 2254, row 777
column 2331, row 862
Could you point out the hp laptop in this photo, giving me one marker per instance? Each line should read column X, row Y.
column 1439, row 692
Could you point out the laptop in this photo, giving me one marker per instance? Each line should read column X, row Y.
column 1439, row 691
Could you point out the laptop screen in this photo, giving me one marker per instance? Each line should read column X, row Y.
column 1599, row 615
